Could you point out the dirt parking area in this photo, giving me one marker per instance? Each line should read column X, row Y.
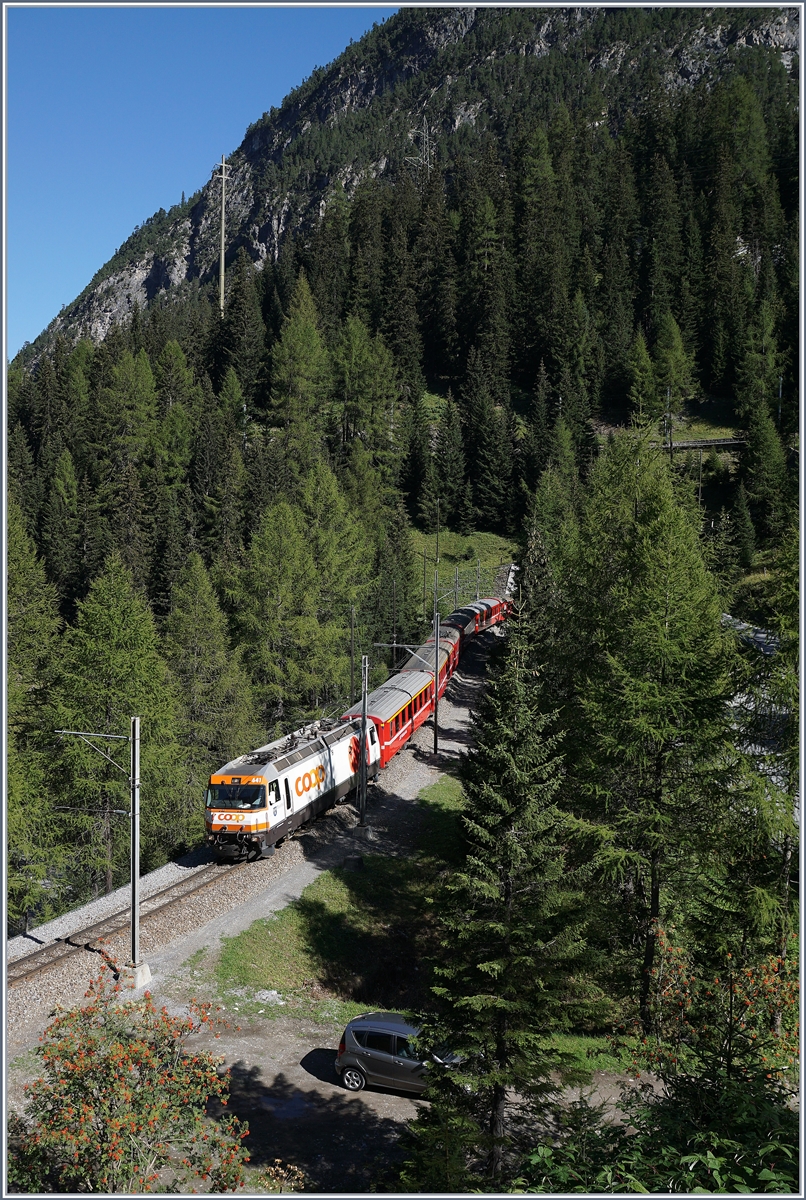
column 284, row 1084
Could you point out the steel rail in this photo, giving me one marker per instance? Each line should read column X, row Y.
column 56, row 952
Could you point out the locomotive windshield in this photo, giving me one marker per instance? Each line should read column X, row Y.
column 236, row 795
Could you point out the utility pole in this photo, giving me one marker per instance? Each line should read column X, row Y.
column 425, row 592
column 352, row 654
column 223, row 178
column 436, row 665
column 394, row 623
column 437, row 532
column 669, row 415
column 455, row 588
column 138, row 973
column 478, row 578
column 700, row 493
column 780, row 386
column 134, row 785
column 362, row 769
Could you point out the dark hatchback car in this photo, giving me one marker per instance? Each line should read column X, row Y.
column 376, row 1048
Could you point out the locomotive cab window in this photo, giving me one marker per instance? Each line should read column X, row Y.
column 372, row 734
column 236, row 795
column 274, row 792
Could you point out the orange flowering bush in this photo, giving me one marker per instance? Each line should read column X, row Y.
column 121, row 1104
column 743, row 1020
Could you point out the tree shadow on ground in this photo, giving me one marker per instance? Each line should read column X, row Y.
column 339, row 1141
column 371, row 958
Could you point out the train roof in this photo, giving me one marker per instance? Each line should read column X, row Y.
column 286, row 751
column 388, row 699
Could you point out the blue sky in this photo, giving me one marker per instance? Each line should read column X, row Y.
column 113, row 112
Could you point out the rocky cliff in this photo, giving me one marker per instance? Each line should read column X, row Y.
column 357, row 116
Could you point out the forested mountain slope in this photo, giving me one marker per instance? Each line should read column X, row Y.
column 600, row 228
column 473, row 75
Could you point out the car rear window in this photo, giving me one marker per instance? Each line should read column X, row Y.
column 379, row 1041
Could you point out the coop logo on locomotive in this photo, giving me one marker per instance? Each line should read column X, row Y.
column 311, row 779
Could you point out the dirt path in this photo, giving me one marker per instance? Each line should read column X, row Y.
column 281, row 1067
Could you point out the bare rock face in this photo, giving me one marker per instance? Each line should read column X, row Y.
column 259, row 215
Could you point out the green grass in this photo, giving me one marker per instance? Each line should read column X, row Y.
column 345, row 945
column 588, row 1053
column 463, row 550
column 441, row 835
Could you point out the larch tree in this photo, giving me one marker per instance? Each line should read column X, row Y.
column 217, row 720
column 32, row 625
column 651, row 756
column 110, row 669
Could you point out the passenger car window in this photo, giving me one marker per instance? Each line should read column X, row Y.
column 360, row 1035
column 379, row 1041
column 405, row 1049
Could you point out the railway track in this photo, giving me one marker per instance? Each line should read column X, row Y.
column 86, row 939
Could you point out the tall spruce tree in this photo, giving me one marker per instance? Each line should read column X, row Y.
column 301, row 380
column 512, row 929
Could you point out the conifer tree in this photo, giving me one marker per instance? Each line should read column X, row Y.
column 744, row 533
column 449, row 462
column 364, row 392
column 644, row 401
column 173, row 378
column 243, row 334
column 110, row 669
column 401, row 324
column 511, row 923
column 651, row 738
column 217, row 720
column 329, row 259
column 61, row 529
column 673, row 367
column 275, row 616
column 33, row 621
column 665, row 246
column 22, row 479
column 764, row 468
column 301, row 379
column 341, row 558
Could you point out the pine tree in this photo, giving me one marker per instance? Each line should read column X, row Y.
column 449, row 462
column 764, row 470
column 644, row 401
column 217, row 720
column 650, row 664
column 745, row 534
column 673, row 367
column 301, row 380
column 61, row 530
column 511, row 922
column 243, row 334
column 33, row 853
column 110, row 669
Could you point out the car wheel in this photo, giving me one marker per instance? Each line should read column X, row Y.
column 353, row 1079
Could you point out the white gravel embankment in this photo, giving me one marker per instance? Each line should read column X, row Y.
column 243, row 895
